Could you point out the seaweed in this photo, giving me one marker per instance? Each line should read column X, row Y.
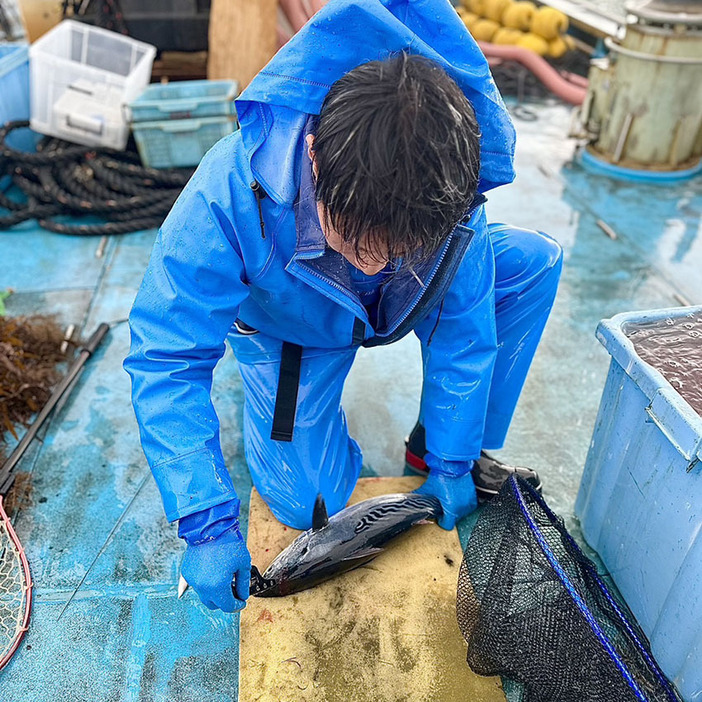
column 30, row 353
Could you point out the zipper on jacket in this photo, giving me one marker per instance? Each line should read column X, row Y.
column 435, row 281
column 422, row 292
column 478, row 200
column 355, row 306
column 260, row 194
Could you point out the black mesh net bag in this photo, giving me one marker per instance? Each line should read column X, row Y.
column 533, row 609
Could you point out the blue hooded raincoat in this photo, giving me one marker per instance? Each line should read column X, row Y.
column 243, row 242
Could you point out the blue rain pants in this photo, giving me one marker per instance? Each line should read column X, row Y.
column 322, row 457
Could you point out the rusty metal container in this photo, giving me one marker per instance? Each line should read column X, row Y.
column 644, row 106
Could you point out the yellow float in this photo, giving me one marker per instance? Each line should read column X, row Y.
column 507, row 36
column 549, row 23
column 557, row 47
column 477, row 6
column 494, row 9
column 469, row 19
column 484, row 29
column 534, row 43
column 518, row 15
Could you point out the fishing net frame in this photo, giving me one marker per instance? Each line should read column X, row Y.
column 533, row 608
column 15, row 590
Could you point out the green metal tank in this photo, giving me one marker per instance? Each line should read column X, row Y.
column 644, row 105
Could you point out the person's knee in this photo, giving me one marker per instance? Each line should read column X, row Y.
column 295, row 516
column 531, row 255
column 550, row 253
column 291, row 492
column 297, row 512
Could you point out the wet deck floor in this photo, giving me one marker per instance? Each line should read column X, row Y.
column 91, row 507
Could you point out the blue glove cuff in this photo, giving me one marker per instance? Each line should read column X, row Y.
column 209, row 524
column 452, row 469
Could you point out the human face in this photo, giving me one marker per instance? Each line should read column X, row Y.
column 368, row 262
column 371, row 260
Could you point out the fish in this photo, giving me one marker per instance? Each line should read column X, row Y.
column 342, row 542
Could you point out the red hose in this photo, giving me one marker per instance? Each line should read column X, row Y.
column 570, row 92
column 582, row 81
column 295, row 12
column 283, row 37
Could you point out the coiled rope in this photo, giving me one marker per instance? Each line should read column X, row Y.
column 63, row 181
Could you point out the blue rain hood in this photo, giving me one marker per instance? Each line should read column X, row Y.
column 273, row 110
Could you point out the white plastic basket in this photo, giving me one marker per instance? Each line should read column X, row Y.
column 81, row 78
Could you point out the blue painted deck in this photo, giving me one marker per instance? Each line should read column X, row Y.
column 91, row 505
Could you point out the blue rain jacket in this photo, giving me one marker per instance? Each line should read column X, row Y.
column 231, row 248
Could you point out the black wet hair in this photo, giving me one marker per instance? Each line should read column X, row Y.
column 397, row 151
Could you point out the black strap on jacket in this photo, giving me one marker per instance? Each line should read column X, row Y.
column 359, row 331
column 286, row 397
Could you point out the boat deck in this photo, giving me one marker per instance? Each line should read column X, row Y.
column 106, row 623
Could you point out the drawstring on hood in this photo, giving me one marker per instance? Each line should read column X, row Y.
column 260, row 194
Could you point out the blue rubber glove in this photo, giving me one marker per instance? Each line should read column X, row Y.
column 452, row 483
column 216, row 559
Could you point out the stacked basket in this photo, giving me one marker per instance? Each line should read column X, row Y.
column 175, row 124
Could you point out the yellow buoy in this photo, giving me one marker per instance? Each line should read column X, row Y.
column 495, row 8
column 484, row 29
column 549, row 23
column 534, row 43
column 557, row 47
column 507, row 36
column 469, row 19
column 477, row 6
column 519, row 15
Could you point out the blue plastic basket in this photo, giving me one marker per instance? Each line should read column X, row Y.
column 14, row 94
column 187, row 99
column 640, row 501
column 180, row 142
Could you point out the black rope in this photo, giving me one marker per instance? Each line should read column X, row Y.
column 63, row 181
column 109, row 16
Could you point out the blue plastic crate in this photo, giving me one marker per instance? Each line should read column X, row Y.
column 188, row 99
column 179, row 142
column 640, row 501
column 14, row 94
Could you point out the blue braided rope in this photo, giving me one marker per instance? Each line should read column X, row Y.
column 572, row 591
column 624, row 621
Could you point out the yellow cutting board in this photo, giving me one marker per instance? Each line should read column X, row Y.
column 384, row 632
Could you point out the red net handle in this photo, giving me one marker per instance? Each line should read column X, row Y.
column 26, row 585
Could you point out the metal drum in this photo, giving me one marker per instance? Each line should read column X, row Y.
column 644, row 106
